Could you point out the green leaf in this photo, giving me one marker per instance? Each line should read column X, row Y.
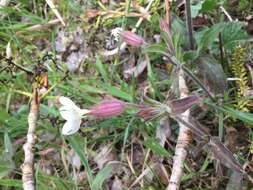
column 179, row 30
column 195, row 9
column 190, row 55
column 156, row 147
column 91, row 89
column 101, row 69
column 233, row 33
column 76, row 146
column 43, row 180
column 156, row 48
column 8, row 144
column 245, row 4
column 3, row 116
column 48, row 111
column 209, row 5
column 101, row 177
column 6, row 165
column 210, row 36
column 114, row 91
column 243, row 116
column 11, row 182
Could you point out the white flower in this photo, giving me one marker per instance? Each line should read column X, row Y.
column 116, row 33
column 73, row 114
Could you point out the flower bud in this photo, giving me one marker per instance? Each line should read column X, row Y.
column 107, row 108
column 132, row 39
column 164, row 26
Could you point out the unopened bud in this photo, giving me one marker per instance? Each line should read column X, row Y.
column 132, row 39
column 107, row 108
column 164, row 26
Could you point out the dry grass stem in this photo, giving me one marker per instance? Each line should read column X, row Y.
column 184, row 138
column 55, row 11
column 40, row 26
column 28, row 165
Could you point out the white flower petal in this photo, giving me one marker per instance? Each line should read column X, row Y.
column 70, row 127
column 67, row 102
column 68, row 113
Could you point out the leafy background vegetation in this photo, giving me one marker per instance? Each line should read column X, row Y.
column 221, row 61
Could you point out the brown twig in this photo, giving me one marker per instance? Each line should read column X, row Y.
column 184, row 138
column 167, row 10
column 38, row 27
column 28, row 165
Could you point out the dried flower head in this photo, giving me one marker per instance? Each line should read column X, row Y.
column 116, row 32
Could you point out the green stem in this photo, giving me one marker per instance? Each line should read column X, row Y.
column 176, row 63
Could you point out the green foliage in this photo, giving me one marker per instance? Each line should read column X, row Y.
column 209, row 36
column 232, row 34
column 245, row 4
column 154, row 145
column 243, row 116
column 178, row 28
column 195, row 9
column 100, row 77
column 210, row 5
column 79, row 150
column 154, row 21
column 154, row 6
column 101, row 177
column 11, row 183
column 101, row 69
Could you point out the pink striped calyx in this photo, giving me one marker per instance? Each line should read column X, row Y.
column 132, row 39
column 108, row 108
